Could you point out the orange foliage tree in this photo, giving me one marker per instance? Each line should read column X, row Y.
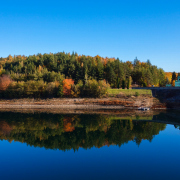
column 173, row 82
column 5, row 81
column 67, row 86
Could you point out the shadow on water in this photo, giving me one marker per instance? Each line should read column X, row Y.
column 74, row 131
column 170, row 97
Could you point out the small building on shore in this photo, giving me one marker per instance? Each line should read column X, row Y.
column 177, row 83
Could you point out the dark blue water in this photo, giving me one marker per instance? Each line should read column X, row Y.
column 155, row 157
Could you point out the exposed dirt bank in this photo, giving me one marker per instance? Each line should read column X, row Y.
column 83, row 103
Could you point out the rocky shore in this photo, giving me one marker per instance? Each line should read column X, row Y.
column 83, row 103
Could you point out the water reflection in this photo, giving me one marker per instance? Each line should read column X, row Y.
column 65, row 132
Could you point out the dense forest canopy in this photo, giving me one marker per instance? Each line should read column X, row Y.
column 48, row 71
column 49, row 67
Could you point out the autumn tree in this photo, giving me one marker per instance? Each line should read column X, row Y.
column 67, row 85
column 5, row 81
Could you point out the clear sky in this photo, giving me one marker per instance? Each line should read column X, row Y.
column 146, row 29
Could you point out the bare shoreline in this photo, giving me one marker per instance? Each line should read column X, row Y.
column 79, row 103
column 69, row 106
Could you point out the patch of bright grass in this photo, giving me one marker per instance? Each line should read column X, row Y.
column 132, row 92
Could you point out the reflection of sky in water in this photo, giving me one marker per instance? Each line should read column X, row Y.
column 171, row 130
column 156, row 160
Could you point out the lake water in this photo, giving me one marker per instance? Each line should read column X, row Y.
column 89, row 146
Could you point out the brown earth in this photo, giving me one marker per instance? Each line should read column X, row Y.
column 84, row 103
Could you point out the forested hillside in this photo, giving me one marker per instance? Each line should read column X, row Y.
column 52, row 70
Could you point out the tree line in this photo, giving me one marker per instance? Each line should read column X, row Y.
column 81, row 69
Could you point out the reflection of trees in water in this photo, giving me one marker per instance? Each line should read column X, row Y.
column 66, row 132
column 5, row 129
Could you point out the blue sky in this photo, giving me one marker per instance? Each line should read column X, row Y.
column 146, row 29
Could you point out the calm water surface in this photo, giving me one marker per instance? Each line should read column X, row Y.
column 72, row 146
